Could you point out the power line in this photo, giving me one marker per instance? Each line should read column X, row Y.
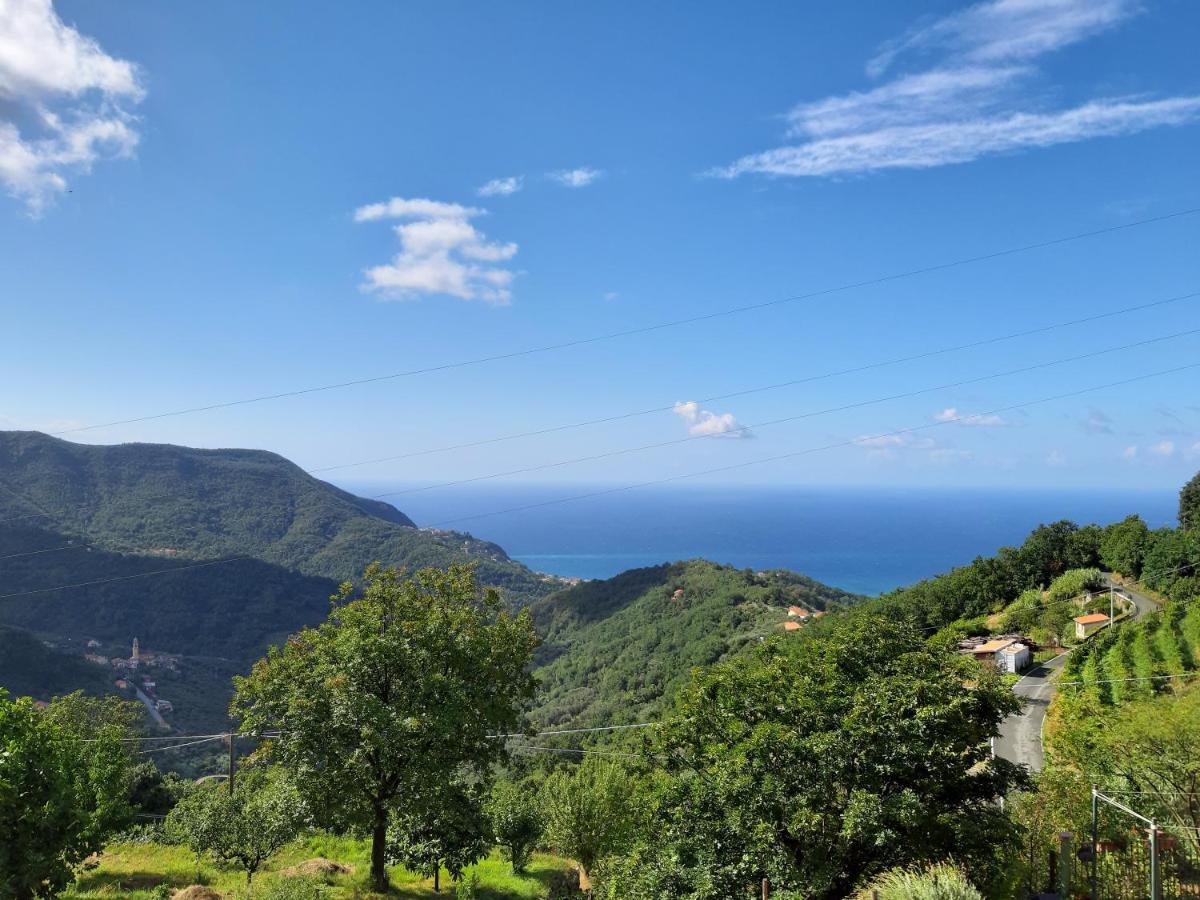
column 798, row 453
column 671, row 478
column 746, row 429
column 577, row 730
column 645, row 329
column 529, row 747
column 48, row 550
column 866, row 367
column 207, row 740
column 743, row 392
column 99, row 581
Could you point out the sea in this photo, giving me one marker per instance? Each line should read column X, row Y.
column 865, row 540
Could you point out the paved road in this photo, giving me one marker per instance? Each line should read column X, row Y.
column 1020, row 737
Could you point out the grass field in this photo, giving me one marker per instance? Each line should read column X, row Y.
column 136, row 871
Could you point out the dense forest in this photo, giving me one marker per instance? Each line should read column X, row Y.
column 613, row 650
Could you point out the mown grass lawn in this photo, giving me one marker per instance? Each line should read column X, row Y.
column 136, row 870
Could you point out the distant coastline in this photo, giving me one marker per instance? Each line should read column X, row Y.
column 860, row 539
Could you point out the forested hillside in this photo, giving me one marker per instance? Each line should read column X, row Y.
column 159, row 500
column 613, row 650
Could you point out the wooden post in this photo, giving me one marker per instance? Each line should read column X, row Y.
column 232, row 764
column 766, row 889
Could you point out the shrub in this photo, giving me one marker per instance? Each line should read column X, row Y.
column 468, row 888
column 940, row 882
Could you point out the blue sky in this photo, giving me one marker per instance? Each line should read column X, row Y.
column 213, row 201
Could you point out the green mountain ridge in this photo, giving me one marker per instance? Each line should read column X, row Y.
column 163, row 500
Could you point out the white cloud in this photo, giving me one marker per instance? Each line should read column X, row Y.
column 977, row 420
column 1130, row 452
column 1056, row 458
column 1098, row 422
column 1194, row 450
column 1164, row 449
column 971, row 100
column 441, row 252
column 610, row 295
column 502, row 187
column 1004, row 30
column 64, row 102
column 575, row 178
column 702, row 422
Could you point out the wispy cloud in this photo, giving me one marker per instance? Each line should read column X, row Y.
column 1164, row 449
column 441, row 252
column 971, row 99
column 969, row 420
column 64, row 103
column 502, row 187
column 1130, row 452
column 702, row 422
column 575, row 178
column 1098, row 422
column 1056, row 459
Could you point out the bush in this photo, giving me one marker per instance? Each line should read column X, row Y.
column 516, row 821
column 468, row 888
column 941, row 882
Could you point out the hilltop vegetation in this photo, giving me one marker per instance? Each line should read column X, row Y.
column 613, row 650
column 165, row 501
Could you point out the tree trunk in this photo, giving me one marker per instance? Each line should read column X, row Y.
column 379, row 877
column 437, row 873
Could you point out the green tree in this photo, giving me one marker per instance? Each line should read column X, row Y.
column 821, row 766
column 245, row 826
column 588, row 813
column 401, row 689
column 1123, row 546
column 61, row 795
column 446, row 829
column 516, row 821
column 1189, row 504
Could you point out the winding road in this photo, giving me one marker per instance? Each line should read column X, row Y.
column 1020, row 739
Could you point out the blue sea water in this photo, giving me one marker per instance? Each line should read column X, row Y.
column 864, row 540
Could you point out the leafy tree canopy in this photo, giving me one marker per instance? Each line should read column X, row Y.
column 1189, row 504
column 60, row 796
column 244, row 826
column 403, row 688
column 823, row 766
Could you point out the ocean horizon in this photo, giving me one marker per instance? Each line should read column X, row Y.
column 867, row 540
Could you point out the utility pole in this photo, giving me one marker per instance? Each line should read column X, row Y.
column 1095, row 838
column 232, row 762
column 1111, row 607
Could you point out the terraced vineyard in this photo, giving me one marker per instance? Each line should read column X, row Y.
column 1165, row 643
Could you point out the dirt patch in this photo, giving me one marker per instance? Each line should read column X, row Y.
column 318, row 866
column 196, row 892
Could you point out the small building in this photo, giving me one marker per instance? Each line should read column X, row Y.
column 163, row 705
column 122, row 684
column 677, row 596
column 1004, row 654
column 1089, row 624
column 93, row 644
column 790, row 626
column 97, row 658
column 148, row 684
column 1013, row 658
column 798, row 612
